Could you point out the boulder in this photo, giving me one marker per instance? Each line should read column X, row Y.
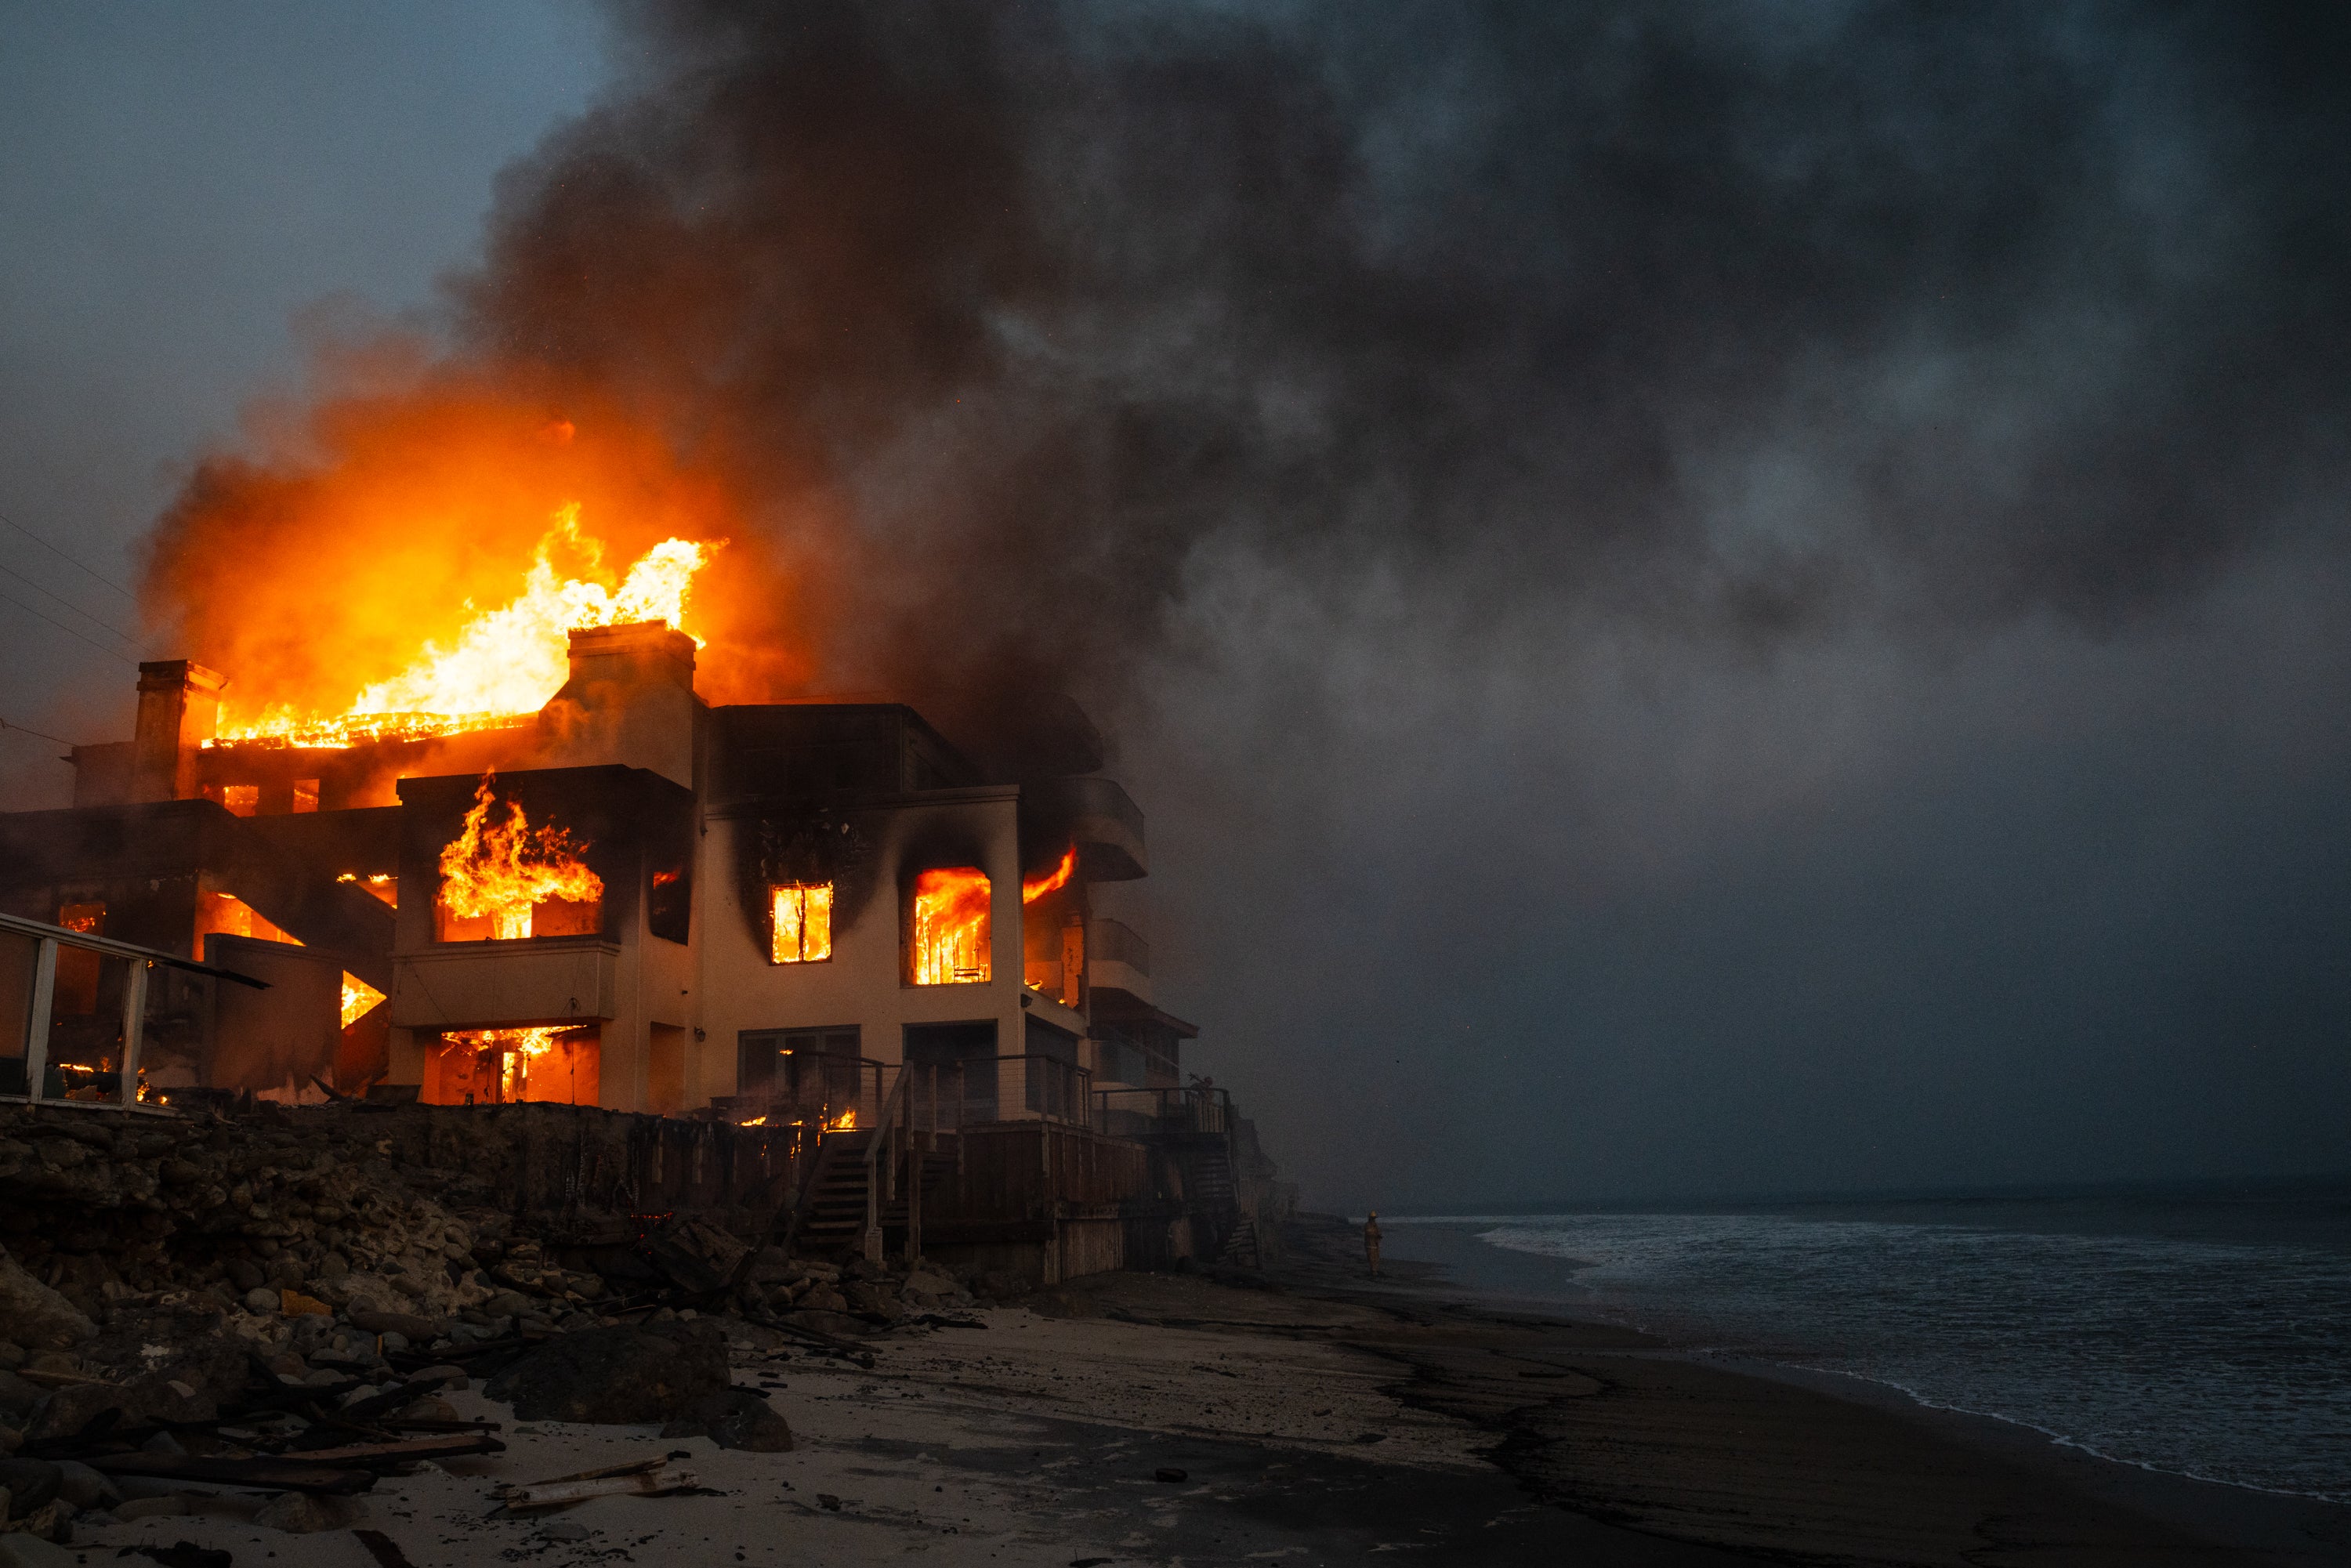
column 30, row 1483
column 616, row 1376
column 773, row 1266
column 737, row 1418
column 37, row 1316
column 695, row 1254
column 85, row 1487
column 19, row 1550
column 407, row 1324
column 16, row 1396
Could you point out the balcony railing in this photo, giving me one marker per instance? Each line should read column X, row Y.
column 812, row 1089
column 1114, row 942
column 1136, row 1113
column 75, row 1009
column 842, row 1092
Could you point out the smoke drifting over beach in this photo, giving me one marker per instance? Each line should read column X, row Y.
column 1561, row 508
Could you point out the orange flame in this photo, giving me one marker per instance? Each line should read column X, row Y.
column 803, row 922
column 504, row 871
column 360, row 998
column 844, row 1122
column 517, row 1048
column 951, row 935
column 504, row 663
column 1052, row 881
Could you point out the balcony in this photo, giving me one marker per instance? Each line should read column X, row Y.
column 1103, row 818
column 1118, row 959
column 486, row 984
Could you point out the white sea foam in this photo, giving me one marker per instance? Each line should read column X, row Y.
column 2225, row 1361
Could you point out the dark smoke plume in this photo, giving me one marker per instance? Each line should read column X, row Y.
column 1743, row 320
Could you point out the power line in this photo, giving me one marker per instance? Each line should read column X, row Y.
column 66, row 629
column 97, row 620
column 69, row 560
column 20, row 729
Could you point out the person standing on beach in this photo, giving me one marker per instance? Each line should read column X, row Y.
column 1372, row 1242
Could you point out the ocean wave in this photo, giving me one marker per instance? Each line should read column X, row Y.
column 2225, row 1361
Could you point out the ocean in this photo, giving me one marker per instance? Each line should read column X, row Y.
column 2202, row 1333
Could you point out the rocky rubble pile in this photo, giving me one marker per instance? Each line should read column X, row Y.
column 158, row 1276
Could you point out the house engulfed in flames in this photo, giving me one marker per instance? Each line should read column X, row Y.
column 810, row 914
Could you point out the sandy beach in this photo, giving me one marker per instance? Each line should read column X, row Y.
column 1316, row 1418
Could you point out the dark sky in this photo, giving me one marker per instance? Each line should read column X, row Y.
column 1703, row 598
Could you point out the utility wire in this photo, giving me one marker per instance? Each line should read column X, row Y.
column 20, row 729
column 66, row 629
column 98, row 621
column 69, row 560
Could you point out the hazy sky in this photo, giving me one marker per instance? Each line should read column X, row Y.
column 1702, row 598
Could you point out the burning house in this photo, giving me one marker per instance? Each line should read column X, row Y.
column 814, row 915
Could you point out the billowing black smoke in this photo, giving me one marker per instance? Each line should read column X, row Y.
column 1743, row 320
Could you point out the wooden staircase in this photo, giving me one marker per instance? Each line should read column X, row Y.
column 832, row 1216
column 1208, row 1184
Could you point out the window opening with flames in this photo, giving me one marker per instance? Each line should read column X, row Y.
column 802, row 919
column 951, row 920
column 502, row 879
column 950, row 927
column 556, row 1064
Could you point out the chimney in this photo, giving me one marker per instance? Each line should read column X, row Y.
column 630, row 700
column 179, row 709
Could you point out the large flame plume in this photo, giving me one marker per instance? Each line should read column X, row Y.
column 508, row 661
column 506, row 870
column 404, row 554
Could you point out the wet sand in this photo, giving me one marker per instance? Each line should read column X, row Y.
column 1322, row 1421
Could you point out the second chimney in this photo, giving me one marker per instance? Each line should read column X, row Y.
column 179, row 710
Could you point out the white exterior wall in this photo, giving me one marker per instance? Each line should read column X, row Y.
column 863, row 982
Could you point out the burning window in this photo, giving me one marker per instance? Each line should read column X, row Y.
column 802, row 913
column 306, row 795
column 950, row 927
column 503, row 880
column 241, row 800
column 501, row 1066
column 1052, row 936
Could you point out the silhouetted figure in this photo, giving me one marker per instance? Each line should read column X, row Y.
column 1372, row 1242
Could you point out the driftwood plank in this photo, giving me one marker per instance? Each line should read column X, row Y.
column 637, row 1482
column 440, row 1447
column 273, row 1475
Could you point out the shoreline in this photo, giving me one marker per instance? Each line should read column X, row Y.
column 2219, row 1520
column 1840, row 1345
column 1302, row 1417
